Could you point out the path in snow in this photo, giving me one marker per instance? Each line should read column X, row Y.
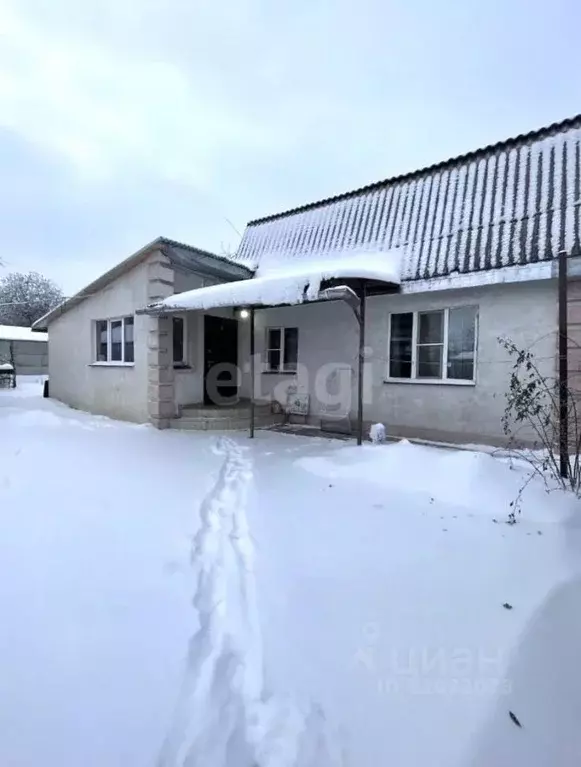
column 223, row 715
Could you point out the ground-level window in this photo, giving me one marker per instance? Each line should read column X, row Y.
column 114, row 340
column 439, row 345
column 282, row 349
column 179, row 341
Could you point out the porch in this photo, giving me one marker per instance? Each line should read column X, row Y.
column 233, row 417
column 243, row 338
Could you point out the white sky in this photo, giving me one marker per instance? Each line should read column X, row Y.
column 123, row 119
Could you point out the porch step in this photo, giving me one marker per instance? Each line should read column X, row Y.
column 236, row 411
column 229, row 422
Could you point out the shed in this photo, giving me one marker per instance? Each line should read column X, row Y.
column 25, row 349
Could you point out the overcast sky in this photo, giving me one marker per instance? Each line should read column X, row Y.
column 121, row 120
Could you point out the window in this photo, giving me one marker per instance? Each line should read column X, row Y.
column 128, row 339
column 282, row 349
column 117, row 341
column 461, row 342
column 102, row 342
column 438, row 345
column 430, row 347
column 114, row 341
column 179, row 341
column 400, row 345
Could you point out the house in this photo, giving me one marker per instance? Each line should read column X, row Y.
column 381, row 304
column 24, row 349
column 108, row 359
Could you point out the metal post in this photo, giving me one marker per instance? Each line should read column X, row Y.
column 563, row 368
column 361, row 318
column 251, row 372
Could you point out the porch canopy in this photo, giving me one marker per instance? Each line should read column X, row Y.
column 349, row 278
column 297, row 284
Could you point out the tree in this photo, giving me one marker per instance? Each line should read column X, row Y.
column 24, row 298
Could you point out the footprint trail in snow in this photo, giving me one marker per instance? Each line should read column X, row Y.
column 223, row 716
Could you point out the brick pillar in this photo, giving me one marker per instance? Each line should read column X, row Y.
column 160, row 382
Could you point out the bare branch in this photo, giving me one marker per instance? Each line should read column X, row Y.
column 532, row 403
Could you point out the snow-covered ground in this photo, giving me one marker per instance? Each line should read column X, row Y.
column 180, row 599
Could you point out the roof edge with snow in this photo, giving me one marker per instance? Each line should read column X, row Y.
column 180, row 255
column 20, row 333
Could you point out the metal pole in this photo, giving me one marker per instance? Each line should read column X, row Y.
column 361, row 318
column 563, row 368
column 251, row 372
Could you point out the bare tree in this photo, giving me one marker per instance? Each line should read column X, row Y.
column 532, row 403
column 24, row 298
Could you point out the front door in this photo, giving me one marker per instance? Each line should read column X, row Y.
column 220, row 360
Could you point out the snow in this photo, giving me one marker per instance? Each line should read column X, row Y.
column 458, row 218
column 185, row 599
column 498, row 211
column 530, row 219
column 287, row 286
column 557, row 197
column 6, row 366
column 377, row 432
column 485, row 214
column 17, row 333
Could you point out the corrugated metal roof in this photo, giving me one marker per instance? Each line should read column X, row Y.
column 191, row 257
column 515, row 202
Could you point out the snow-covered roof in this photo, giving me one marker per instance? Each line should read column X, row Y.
column 513, row 203
column 17, row 333
column 293, row 285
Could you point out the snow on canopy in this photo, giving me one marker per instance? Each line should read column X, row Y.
column 513, row 203
column 18, row 333
column 287, row 286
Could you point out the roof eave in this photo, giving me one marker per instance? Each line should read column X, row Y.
column 124, row 266
column 101, row 281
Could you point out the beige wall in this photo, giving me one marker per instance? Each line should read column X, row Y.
column 116, row 391
column 328, row 336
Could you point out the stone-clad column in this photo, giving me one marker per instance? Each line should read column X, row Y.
column 160, row 383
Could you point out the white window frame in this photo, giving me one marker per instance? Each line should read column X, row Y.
column 267, row 348
column 110, row 362
column 184, row 363
column 415, row 327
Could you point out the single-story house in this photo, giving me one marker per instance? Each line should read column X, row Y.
column 398, row 290
column 25, row 349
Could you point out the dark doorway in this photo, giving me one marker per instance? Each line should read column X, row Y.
column 220, row 360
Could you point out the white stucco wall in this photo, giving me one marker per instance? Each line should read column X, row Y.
column 328, row 342
column 328, row 336
column 119, row 392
